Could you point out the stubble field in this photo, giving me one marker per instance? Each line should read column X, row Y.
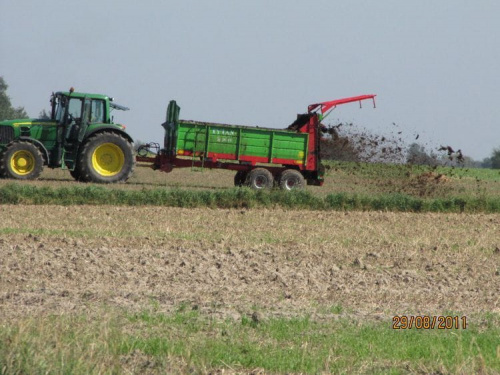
column 117, row 289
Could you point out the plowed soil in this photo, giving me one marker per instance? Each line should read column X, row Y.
column 226, row 263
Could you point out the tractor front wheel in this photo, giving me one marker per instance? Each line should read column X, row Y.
column 105, row 158
column 22, row 161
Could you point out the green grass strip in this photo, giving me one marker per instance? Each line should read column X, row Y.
column 384, row 170
column 189, row 341
column 242, row 198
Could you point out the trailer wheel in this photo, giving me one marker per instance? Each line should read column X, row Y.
column 259, row 178
column 105, row 158
column 21, row 160
column 291, row 179
column 239, row 178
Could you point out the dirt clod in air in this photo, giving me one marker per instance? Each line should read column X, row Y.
column 346, row 142
column 416, row 171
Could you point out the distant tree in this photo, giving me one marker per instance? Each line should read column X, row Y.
column 495, row 158
column 339, row 148
column 486, row 163
column 469, row 162
column 44, row 115
column 417, row 155
column 7, row 112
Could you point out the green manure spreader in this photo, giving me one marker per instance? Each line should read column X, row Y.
column 261, row 157
column 79, row 136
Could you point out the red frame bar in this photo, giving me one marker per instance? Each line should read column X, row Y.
column 325, row 106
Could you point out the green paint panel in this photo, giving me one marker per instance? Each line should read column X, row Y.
column 235, row 140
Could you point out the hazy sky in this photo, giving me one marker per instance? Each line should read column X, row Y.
column 433, row 64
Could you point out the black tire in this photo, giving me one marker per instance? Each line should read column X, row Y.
column 259, row 178
column 22, row 161
column 105, row 158
column 291, row 179
column 76, row 174
column 239, row 178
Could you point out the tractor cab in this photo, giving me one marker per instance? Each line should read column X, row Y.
column 76, row 112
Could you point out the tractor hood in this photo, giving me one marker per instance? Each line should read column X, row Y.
column 26, row 122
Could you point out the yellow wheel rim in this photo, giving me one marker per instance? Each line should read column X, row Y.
column 108, row 159
column 22, row 162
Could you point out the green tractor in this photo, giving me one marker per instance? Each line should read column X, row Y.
column 79, row 136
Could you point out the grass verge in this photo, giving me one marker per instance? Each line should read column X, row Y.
column 242, row 198
column 189, row 341
column 383, row 170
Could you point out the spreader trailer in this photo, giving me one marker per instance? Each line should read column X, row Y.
column 261, row 157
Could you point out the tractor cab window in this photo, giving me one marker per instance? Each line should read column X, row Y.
column 75, row 109
column 58, row 108
column 97, row 111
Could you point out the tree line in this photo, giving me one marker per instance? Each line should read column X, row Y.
column 7, row 111
column 419, row 155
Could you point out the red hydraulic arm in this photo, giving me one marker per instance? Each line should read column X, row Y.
column 325, row 106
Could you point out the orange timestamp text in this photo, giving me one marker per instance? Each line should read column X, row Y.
column 429, row 322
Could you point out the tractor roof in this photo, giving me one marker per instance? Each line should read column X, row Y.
column 93, row 96
column 84, row 95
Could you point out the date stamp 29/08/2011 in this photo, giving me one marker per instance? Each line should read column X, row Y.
column 429, row 322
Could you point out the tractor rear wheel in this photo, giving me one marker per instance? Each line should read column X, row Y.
column 75, row 174
column 21, row 160
column 105, row 158
column 259, row 178
column 291, row 179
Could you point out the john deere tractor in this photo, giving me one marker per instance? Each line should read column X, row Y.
column 79, row 136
